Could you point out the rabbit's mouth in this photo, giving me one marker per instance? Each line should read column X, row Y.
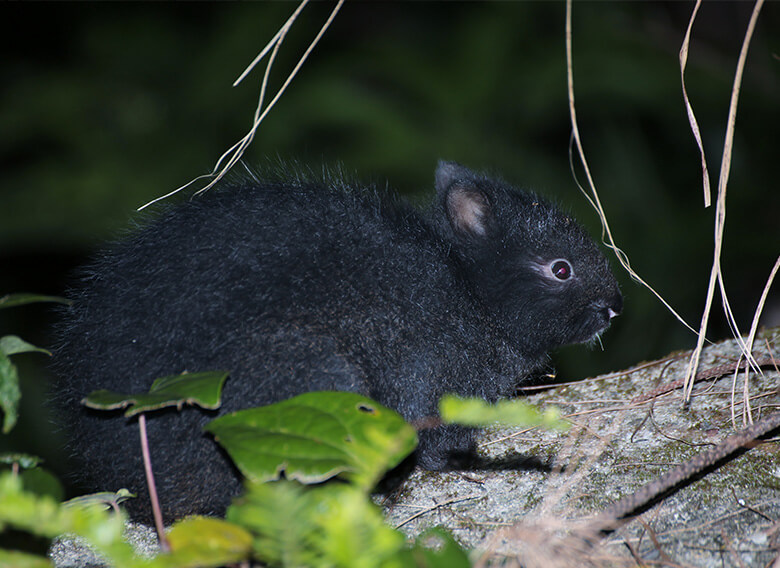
column 599, row 316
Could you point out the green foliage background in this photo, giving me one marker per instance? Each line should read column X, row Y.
column 106, row 106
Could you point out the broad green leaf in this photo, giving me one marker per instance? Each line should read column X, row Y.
column 204, row 542
column 202, row 389
column 315, row 436
column 9, row 392
column 477, row 412
column 22, row 460
column 11, row 300
column 11, row 345
column 14, row 559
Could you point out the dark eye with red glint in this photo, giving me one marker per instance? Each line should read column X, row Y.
column 561, row 269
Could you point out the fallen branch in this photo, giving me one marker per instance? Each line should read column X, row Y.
column 623, row 510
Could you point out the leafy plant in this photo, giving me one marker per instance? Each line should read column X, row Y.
column 203, row 389
column 311, row 463
column 25, row 466
column 12, row 345
column 298, row 521
column 218, row 542
column 333, row 525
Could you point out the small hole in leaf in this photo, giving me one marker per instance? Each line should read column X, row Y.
column 433, row 541
column 367, row 409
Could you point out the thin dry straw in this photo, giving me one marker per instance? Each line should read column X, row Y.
column 720, row 218
column 747, row 417
column 594, row 200
column 234, row 153
column 691, row 117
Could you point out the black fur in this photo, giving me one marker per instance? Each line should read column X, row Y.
column 306, row 285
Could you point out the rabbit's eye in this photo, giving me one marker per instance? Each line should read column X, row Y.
column 561, row 269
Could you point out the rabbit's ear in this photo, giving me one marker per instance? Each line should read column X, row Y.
column 468, row 207
column 468, row 210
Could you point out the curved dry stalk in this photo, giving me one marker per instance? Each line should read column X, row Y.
column 236, row 151
column 747, row 416
column 606, row 233
column 691, row 117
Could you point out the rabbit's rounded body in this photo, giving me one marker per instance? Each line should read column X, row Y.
column 294, row 286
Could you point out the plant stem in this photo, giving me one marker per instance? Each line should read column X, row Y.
column 158, row 520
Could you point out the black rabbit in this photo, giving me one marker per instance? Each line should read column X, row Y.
column 296, row 284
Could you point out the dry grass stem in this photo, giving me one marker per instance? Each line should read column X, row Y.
column 747, row 415
column 233, row 154
column 593, row 197
column 691, row 117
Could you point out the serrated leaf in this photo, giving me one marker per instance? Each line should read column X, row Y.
column 202, row 389
column 477, row 412
column 24, row 461
column 352, row 531
column 14, row 559
column 9, row 392
column 334, row 524
column 280, row 517
column 11, row 345
column 204, row 542
column 11, row 300
column 315, row 436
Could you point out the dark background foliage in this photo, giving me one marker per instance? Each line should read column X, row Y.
column 106, row 106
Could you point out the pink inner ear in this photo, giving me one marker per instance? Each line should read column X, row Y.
column 468, row 210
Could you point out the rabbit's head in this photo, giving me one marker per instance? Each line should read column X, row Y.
column 535, row 270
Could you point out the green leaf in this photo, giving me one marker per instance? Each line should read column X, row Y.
column 9, row 392
column 9, row 378
column 204, row 541
column 477, row 412
column 24, row 461
column 315, row 436
column 13, row 559
column 352, row 531
column 42, row 515
column 436, row 548
column 11, row 300
column 280, row 518
column 107, row 499
column 42, row 482
column 11, row 345
column 203, row 389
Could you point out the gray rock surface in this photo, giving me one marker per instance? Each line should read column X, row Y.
column 729, row 517
column 73, row 552
column 533, row 505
